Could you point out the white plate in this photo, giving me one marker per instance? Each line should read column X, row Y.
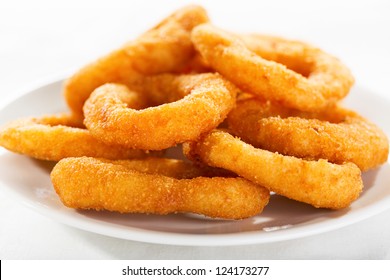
column 28, row 181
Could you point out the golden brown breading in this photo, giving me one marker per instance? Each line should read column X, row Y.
column 169, row 167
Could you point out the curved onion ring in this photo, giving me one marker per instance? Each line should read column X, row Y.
column 105, row 185
column 57, row 137
column 166, row 47
column 319, row 183
column 327, row 81
column 207, row 100
column 336, row 134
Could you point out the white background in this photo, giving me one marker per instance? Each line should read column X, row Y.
column 40, row 40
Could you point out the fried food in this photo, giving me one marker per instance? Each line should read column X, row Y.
column 90, row 183
column 161, row 90
column 167, row 47
column 169, row 167
column 56, row 137
column 244, row 61
column 319, row 183
column 207, row 100
column 195, row 66
column 336, row 134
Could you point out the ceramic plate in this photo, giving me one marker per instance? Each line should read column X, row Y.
column 28, row 181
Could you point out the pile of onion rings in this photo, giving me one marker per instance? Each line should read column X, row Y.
column 256, row 115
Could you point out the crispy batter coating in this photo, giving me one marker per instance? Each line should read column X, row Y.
column 298, row 56
column 166, row 47
column 169, row 167
column 195, row 66
column 89, row 183
column 56, row 137
column 327, row 81
column 207, row 100
column 336, row 134
column 319, row 183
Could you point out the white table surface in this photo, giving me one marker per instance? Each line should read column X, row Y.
column 43, row 39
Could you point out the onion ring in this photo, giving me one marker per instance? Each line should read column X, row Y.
column 319, row 183
column 57, row 137
column 104, row 185
column 166, row 47
column 207, row 100
column 336, row 134
column 328, row 79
